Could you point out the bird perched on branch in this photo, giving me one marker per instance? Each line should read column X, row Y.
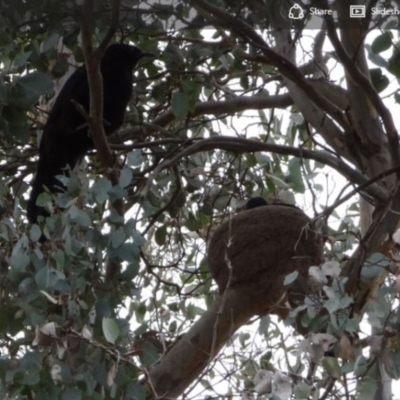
column 66, row 138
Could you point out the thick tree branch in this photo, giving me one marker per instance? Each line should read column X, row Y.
column 241, row 145
column 92, row 63
column 208, row 107
column 338, row 97
column 365, row 84
column 314, row 115
column 287, row 68
column 188, row 357
column 383, row 226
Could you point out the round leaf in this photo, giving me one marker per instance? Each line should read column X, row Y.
column 110, row 329
column 180, row 105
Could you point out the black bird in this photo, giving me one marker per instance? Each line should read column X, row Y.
column 66, row 138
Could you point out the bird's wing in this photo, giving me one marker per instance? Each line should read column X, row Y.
column 76, row 83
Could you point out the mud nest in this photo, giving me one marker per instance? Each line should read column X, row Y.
column 262, row 246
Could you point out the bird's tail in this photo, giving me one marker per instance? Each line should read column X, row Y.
column 45, row 176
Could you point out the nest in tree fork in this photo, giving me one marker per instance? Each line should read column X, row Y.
column 253, row 253
column 262, row 245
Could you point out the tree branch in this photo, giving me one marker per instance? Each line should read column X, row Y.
column 231, row 106
column 328, row 210
column 365, row 84
column 191, row 354
column 241, row 145
column 92, row 63
column 287, row 68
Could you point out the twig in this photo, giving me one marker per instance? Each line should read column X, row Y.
column 358, row 189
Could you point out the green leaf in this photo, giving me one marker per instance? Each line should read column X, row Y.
column 203, row 219
column 394, row 65
column 377, row 259
column 50, row 41
column 149, row 354
column 193, row 311
column 130, row 272
column 302, row 391
column 100, row 373
column 360, row 365
column 116, row 193
column 14, row 121
column 59, row 258
column 79, row 217
column 137, row 238
column 251, row 160
column 32, row 377
column 35, row 233
column 366, row 389
column 180, row 105
column 332, row 367
column 35, row 84
column 126, row 252
column 380, row 81
column 104, row 307
column 125, row 177
column 382, row 42
column 161, row 235
column 345, row 302
column 48, row 277
column 174, row 53
column 110, row 329
column 5, row 39
column 117, row 238
column 100, row 190
column 21, row 58
column 332, row 305
column 244, row 81
column 276, row 180
column 290, row 278
column 374, row 266
column 192, row 223
column 19, row 262
column 271, row 184
column 378, row 60
column 45, row 200
column 134, row 158
column 180, row 201
column 71, row 394
column 296, row 176
column 243, row 338
column 135, row 391
column 348, row 367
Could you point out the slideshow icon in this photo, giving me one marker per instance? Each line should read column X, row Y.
column 357, row 11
